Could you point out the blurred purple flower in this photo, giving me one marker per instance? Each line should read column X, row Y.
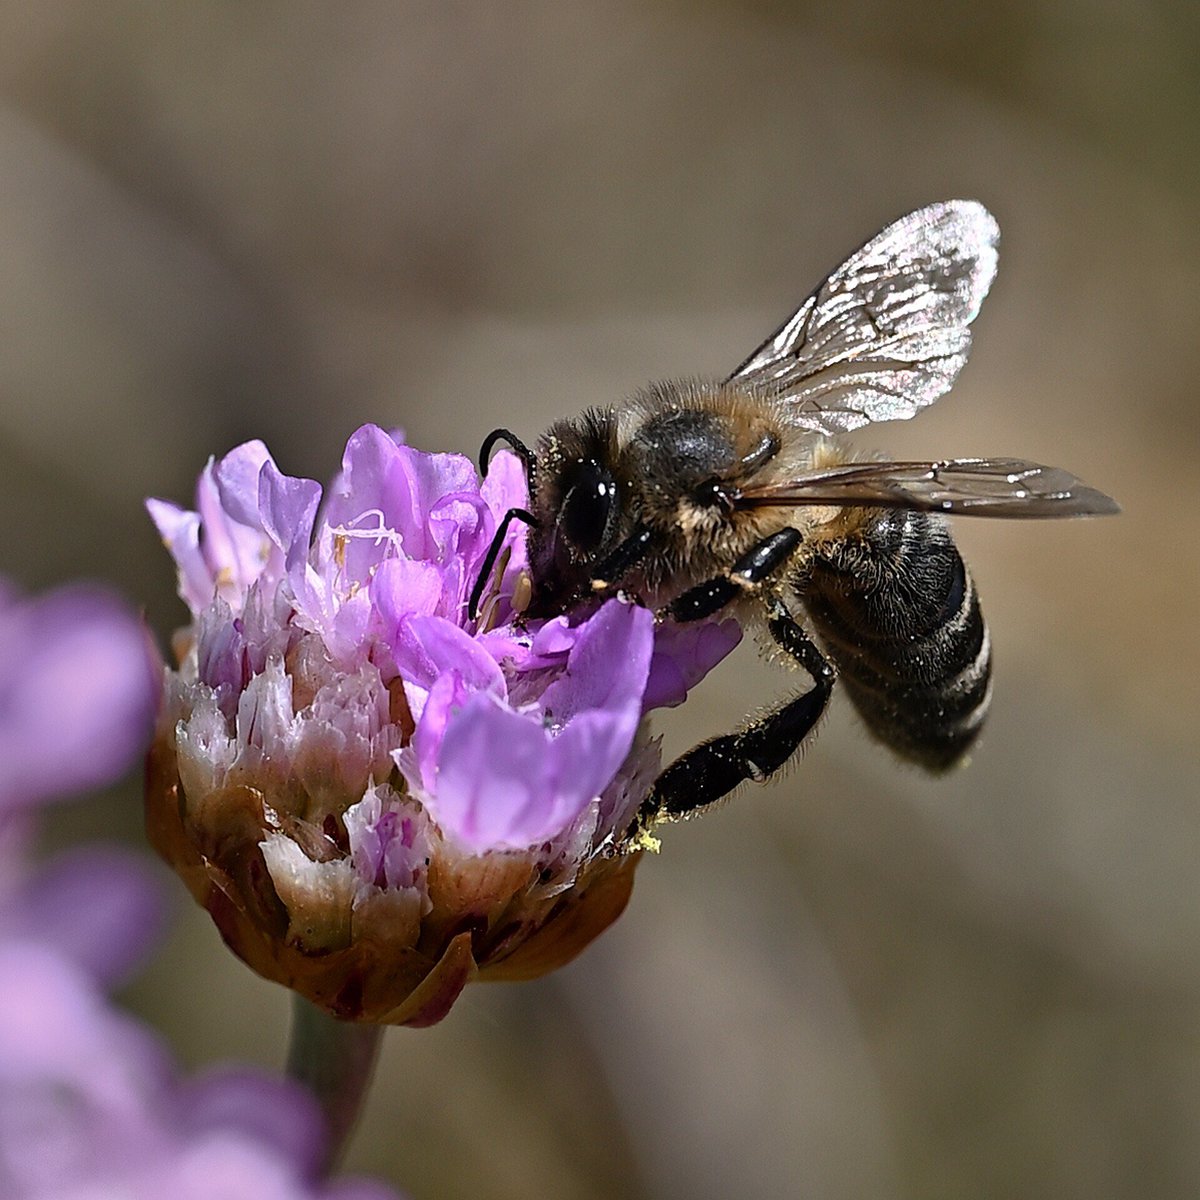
column 342, row 741
column 98, row 907
column 77, row 692
column 78, row 687
column 89, row 1103
column 90, row 1106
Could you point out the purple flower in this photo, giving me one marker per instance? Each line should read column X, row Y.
column 77, row 692
column 90, row 1104
column 97, row 907
column 345, row 757
column 78, row 687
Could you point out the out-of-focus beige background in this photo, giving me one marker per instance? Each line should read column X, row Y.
column 222, row 220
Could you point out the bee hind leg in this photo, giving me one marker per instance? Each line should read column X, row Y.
column 709, row 772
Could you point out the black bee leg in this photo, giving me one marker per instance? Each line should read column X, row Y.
column 710, row 771
column 623, row 559
column 758, row 563
column 489, row 559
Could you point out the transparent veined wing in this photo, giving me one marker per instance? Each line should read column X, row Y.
column 979, row 487
column 886, row 333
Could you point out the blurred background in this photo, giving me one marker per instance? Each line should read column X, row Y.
column 279, row 220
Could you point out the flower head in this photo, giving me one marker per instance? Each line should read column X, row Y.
column 375, row 797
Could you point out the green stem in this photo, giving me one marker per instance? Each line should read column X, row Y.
column 335, row 1061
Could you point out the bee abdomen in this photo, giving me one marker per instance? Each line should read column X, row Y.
column 899, row 615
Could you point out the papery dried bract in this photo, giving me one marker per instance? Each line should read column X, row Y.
column 395, row 956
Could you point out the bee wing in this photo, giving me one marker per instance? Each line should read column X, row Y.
column 979, row 487
column 887, row 332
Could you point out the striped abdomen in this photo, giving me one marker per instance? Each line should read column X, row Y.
column 898, row 613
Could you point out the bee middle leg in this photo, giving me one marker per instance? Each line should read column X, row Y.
column 710, row 771
column 759, row 563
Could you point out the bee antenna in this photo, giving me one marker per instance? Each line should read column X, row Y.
column 519, row 448
column 489, row 559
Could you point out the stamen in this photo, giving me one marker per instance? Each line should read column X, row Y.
column 378, row 534
column 491, row 604
column 522, row 592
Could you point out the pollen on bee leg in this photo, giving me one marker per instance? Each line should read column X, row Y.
column 644, row 840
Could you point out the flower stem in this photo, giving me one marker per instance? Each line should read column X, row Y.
column 335, row 1061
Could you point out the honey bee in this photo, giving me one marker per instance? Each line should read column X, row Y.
column 694, row 498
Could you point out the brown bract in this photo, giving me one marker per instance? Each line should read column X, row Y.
column 387, row 958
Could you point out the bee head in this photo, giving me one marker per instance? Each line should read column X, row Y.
column 578, row 506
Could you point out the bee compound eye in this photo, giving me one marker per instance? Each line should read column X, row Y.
column 588, row 507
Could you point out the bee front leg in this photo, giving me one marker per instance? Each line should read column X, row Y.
column 710, row 771
column 760, row 562
column 623, row 559
column 493, row 552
